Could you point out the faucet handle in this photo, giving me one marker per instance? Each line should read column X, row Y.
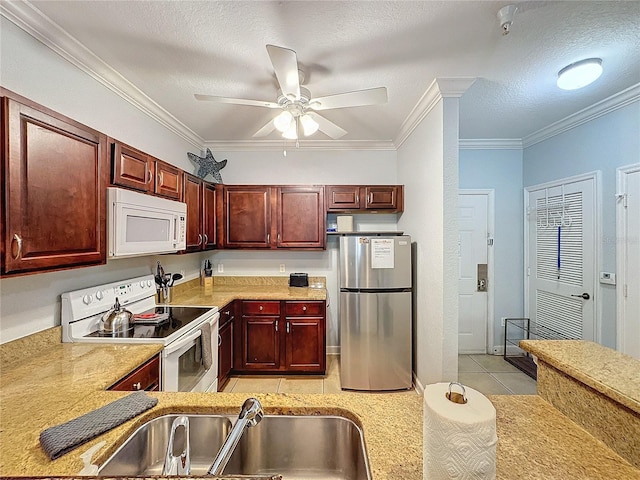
column 252, row 411
column 180, row 464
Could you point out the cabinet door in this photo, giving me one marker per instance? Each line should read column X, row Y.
column 247, row 217
column 382, row 197
column 305, row 344
column 261, row 343
column 192, row 196
column 55, row 178
column 343, row 197
column 209, row 230
column 168, row 180
column 131, row 168
column 301, row 217
column 225, row 353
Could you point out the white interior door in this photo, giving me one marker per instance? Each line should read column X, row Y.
column 561, row 257
column 473, row 237
column 628, row 255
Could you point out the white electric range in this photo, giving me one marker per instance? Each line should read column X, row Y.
column 178, row 328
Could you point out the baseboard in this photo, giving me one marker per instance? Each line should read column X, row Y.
column 335, row 350
column 418, row 385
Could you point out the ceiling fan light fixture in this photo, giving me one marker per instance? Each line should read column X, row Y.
column 309, row 125
column 291, row 133
column 284, row 121
column 580, row 74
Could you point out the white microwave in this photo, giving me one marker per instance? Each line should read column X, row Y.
column 140, row 224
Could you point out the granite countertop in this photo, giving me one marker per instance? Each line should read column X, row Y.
column 227, row 289
column 611, row 373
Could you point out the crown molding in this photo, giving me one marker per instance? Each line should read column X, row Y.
column 43, row 29
column 603, row 107
column 439, row 88
column 279, row 145
column 490, row 144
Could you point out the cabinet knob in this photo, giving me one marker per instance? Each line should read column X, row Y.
column 276, row 325
column 227, row 313
column 137, row 386
column 206, row 238
column 288, row 328
column 219, row 340
column 149, row 176
column 261, row 307
column 199, row 239
column 304, row 308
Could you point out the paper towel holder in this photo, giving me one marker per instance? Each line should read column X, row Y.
column 456, row 397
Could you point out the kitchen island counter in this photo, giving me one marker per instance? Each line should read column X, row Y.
column 68, row 380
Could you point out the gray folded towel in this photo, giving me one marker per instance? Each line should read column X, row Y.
column 61, row 439
column 205, row 339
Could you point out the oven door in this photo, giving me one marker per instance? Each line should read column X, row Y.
column 183, row 367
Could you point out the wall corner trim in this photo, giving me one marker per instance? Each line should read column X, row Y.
column 439, row 88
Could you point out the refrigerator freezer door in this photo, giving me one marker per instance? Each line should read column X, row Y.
column 375, row 333
column 375, row 262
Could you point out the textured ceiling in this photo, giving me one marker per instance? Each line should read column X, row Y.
column 173, row 49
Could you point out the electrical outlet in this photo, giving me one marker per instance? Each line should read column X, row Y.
column 220, row 268
column 282, row 268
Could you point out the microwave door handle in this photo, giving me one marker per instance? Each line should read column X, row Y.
column 181, row 342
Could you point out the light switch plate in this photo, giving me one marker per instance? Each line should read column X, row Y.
column 608, row 278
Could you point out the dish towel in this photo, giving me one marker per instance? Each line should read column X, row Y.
column 205, row 338
column 61, row 439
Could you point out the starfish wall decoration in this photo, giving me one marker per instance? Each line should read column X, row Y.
column 208, row 165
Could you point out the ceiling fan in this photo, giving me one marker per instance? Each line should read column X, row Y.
column 298, row 107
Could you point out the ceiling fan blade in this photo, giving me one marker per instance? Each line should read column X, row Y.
column 327, row 126
column 236, row 101
column 285, row 65
column 371, row 96
column 266, row 130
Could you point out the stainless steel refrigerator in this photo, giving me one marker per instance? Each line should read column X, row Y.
column 375, row 312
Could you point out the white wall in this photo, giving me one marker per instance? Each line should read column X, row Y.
column 428, row 167
column 29, row 304
column 501, row 171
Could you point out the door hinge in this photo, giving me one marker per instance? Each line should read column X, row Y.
column 624, row 291
column 528, row 271
column 490, row 241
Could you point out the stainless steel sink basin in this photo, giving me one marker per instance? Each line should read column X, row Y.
column 296, row 447
column 144, row 451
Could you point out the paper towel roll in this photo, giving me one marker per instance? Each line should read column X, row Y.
column 459, row 439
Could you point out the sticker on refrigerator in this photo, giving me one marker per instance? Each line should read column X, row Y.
column 382, row 253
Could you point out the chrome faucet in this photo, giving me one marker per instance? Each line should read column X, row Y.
column 180, row 464
column 250, row 415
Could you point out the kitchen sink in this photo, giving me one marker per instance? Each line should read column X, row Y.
column 296, row 447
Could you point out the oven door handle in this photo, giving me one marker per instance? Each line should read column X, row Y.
column 181, row 342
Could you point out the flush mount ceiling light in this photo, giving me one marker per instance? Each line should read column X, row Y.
column 580, row 74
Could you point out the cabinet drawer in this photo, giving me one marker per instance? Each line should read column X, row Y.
column 304, row 308
column 146, row 377
column 256, row 307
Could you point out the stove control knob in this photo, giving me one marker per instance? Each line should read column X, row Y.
column 99, row 295
column 149, row 283
column 87, row 299
column 142, row 284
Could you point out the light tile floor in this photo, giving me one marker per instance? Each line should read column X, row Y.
column 488, row 374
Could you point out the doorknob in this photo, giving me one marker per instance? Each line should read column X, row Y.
column 584, row 296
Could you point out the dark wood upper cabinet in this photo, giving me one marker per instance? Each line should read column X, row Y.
column 383, row 197
column 134, row 169
column 247, row 216
column 301, row 217
column 168, row 180
column 343, row 197
column 274, row 217
column 200, row 197
column 131, row 168
column 349, row 198
column 54, row 190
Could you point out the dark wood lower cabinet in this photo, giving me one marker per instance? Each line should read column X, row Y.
column 146, row 377
column 283, row 337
